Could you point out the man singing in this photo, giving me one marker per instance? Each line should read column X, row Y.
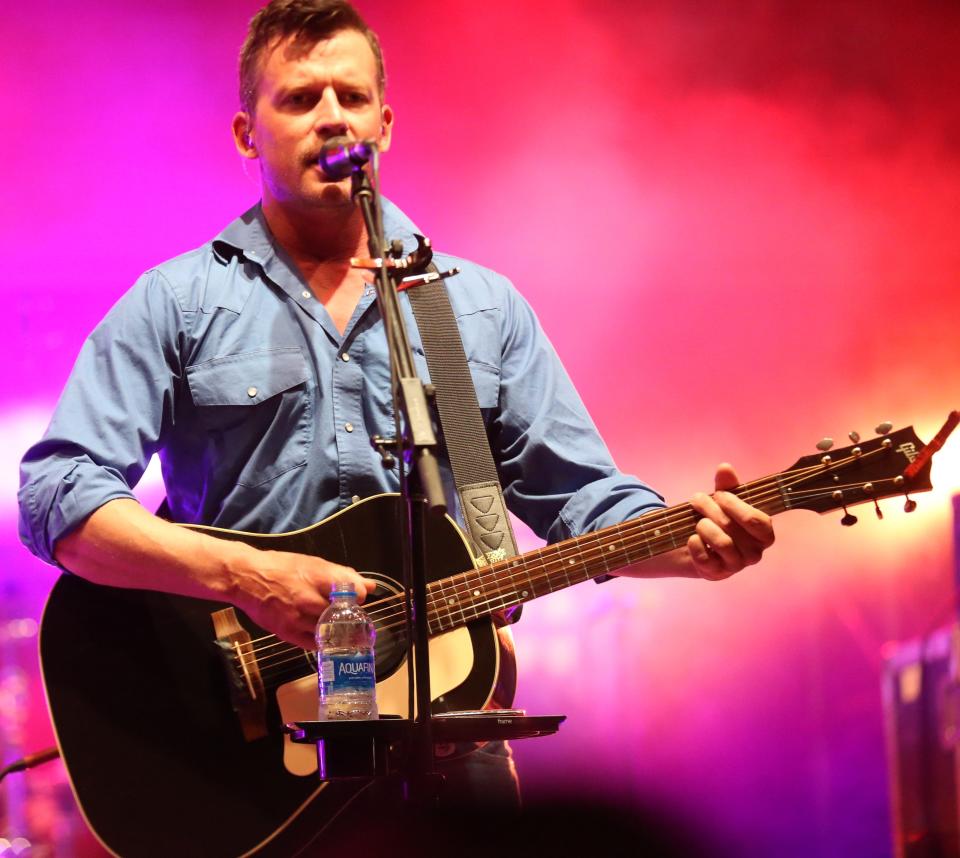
column 256, row 368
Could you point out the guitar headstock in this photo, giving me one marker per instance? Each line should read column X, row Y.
column 895, row 463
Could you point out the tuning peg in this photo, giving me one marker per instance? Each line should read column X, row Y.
column 854, row 436
column 848, row 518
column 824, row 444
column 884, row 428
column 910, row 505
column 877, row 507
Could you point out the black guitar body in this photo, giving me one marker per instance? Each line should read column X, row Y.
column 139, row 697
column 138, row 690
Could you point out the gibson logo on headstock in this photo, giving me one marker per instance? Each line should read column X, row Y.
column 909, row 449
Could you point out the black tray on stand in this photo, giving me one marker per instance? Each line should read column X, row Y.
column 361, row 749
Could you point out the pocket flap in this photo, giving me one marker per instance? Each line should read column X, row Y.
column 248, row 378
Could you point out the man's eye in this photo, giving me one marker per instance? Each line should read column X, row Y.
column 298, row 99
column 354, row 98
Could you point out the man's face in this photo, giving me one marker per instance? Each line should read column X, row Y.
column 304, row 98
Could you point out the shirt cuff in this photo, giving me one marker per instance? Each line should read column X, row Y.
column 604, row 503
column 57, row 505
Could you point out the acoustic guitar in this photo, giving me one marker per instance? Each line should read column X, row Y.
column 169, row 711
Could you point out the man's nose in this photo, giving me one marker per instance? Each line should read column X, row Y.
column 330, row 119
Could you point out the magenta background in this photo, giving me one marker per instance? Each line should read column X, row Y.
column 737, row 223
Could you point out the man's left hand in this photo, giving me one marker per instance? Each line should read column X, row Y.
column 731, row 534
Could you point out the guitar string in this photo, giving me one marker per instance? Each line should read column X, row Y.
column 385, row 607
column 275, row 666
column 301, row 655
column 447, row 615
column 682, row 514
column 770, row 487
column 476, row 578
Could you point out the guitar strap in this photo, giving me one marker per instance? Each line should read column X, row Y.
column 468, row 447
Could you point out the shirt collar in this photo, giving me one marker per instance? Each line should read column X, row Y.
column 249, row 236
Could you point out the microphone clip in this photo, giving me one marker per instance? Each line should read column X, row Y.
column 415, row 262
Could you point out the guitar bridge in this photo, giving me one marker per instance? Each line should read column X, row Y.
column 247, row 693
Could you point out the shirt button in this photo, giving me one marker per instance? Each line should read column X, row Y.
column 345, row 357
column 251, row 392
column 348, row 427
column 305, row 293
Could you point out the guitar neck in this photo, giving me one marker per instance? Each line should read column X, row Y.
column 893, row 464
column 467, row 596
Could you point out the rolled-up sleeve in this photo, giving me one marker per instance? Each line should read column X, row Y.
column 557, row 472
column 111, row 417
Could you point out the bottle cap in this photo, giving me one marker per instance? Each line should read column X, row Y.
column 343, row 588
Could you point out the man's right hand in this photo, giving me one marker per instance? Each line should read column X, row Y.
column 286, row 593
column 123, row 545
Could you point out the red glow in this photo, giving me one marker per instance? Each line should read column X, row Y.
column 739, row 226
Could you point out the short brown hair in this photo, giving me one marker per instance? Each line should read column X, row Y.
column 308, row 21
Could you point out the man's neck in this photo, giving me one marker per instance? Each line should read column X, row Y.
column 319, row 236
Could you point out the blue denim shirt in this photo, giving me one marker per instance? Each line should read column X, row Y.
column 223, row 363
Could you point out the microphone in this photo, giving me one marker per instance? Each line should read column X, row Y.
column 341, row 157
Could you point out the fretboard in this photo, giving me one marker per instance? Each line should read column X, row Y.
column 467, row 596
column 889, row 465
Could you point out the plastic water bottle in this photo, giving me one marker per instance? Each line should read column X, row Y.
column 345, row 637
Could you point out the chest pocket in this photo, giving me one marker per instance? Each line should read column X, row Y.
column 256, row 409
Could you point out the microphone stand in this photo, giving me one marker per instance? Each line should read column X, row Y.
column 416, row 443
column 361, row 748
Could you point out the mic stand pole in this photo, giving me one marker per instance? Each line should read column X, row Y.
column 416, row 443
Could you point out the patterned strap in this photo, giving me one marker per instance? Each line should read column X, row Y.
column 474, row 471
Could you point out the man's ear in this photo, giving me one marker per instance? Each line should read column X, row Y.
column 386, row 127
column 242, row 129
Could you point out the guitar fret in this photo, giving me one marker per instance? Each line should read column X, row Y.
column 454, row 592
column 456, row 595
column 541, row 576
column 518, row 568
column 529, row 590
column 604, row 552
column 657, row 533
column 564, row 565
column 508, row 594
column 450, row 602
column 548, row 556
column 474, row 584
column 582, row 563
column 537, row 558
column 503, row 600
